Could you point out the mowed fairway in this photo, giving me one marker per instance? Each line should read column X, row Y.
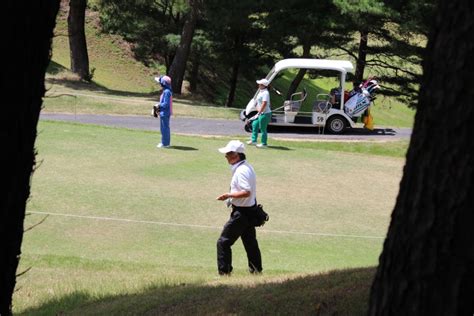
column 125, row 216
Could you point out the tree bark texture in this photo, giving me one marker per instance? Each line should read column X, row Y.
column 77, row 38
column 26, row 30
column 427, row 263
column 193, row 81
column 238, row 44
column 178, row 65
column 361, row 57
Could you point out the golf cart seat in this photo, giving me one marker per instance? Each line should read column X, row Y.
column 322, row 103
column 295, row 101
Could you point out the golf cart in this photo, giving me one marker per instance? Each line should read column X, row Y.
column 332, row 111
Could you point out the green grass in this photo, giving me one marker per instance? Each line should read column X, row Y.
column 138, row 227
column 109, row 56
column 74, row 97
column 329, row 206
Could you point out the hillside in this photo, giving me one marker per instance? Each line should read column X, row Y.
column 117, row 72
column 110, row 58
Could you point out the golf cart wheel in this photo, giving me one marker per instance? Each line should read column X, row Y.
column 336, row 124
column 248, row 128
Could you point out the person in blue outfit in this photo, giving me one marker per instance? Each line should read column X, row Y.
column 164, row 109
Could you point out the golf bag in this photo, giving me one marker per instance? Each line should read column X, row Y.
column 155, row 111
column 260, row 216
column 361, row 98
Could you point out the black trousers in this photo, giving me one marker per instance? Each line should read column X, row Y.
column 238, row 226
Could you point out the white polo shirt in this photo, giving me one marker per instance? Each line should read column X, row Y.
column 264, row 95
column 243, row 179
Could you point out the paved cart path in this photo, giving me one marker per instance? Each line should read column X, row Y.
column 221, row 127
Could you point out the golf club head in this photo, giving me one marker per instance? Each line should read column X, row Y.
column 277, row 91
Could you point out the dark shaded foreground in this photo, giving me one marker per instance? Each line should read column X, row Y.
column 342, row 292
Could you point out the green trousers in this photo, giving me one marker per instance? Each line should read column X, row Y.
column 261, row 124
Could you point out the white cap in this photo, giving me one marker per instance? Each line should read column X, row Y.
column 234, row 145
column 263, row 81
column 163, row 79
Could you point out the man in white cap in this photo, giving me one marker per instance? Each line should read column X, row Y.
column 242, row 198
column 263, row 116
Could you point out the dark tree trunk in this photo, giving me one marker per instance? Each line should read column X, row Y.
column 362, row 57
column 427, row 264
column 178, row 66
column 233, row 81
column 27, row 29
column 300, row 75
column 168, row 60
column 194, row 73
column 295, row 83
column 77, row 39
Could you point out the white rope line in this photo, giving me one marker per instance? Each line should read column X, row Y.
column 201, row 226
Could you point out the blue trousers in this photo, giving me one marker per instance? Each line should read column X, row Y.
column 165, row 130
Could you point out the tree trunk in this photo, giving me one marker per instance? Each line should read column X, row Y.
column 178, row 66
column 427, row 263
column 233, row 81
column 194, row 72
column 300, row 75
column 77, row 39
column 362, row 57
column 295, row 83
column 27, row 27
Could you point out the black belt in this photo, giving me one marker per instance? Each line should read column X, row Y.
column 246, row 210
column 243, row 207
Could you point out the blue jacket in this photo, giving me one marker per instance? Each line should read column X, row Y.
column 166, row 101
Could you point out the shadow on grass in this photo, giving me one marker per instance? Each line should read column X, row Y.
column 279, row 147
column 78, row 85
column 341, row 292
column 184, row 148
column 312, row 130
column 95, row 87
column 55, row 68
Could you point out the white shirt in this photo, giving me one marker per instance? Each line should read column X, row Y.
column 243, row 179
column 264, row 95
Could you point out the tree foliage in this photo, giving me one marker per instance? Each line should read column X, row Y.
column 180, row 59
column 364, row 19
column 303, row 24
column 147, row 24
column 388, row 40
column 234, row 28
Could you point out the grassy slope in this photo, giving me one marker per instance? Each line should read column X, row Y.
column 86, row 265
column 115, row 69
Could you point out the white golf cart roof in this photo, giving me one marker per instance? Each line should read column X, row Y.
column 342, row 66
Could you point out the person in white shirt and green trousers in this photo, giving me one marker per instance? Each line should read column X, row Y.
column 263, row 116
